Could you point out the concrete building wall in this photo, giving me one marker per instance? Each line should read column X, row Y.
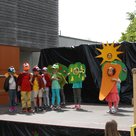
column 29, row 23
column 31, row 57
column 65, row 41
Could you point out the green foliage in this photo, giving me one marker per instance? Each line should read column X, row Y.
column 131, row 15
column 130, row 34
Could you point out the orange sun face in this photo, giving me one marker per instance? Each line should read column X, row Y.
column 109, row 53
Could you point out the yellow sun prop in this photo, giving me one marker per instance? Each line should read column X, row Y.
column 109, row 53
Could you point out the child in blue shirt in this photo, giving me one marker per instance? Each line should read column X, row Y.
column 55, row 86
column 77, row 86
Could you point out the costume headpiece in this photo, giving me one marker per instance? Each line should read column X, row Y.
column 11, row 69
column 109, row 54
column 26, row 66
column 36, row 68
column 55, row 66
column 44, row 69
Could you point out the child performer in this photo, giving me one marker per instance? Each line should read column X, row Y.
column 77, row 86
column 113, row 97
column 24, row 85
column 38, row 85
column 55, row 86
column 47, row 84
column 111, row 128
column 62, row 82
column 10, row 86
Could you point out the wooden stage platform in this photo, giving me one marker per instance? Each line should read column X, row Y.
column 90, row 116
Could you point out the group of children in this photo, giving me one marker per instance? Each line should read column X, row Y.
column 37, row 86
column 40, row 85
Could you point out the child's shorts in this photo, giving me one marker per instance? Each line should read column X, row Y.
column 38, row 93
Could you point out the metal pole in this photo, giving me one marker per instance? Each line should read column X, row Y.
column 134, row 92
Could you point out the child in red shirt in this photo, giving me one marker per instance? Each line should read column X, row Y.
column 24, row 85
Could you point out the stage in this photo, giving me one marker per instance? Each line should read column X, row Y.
column 90, row 117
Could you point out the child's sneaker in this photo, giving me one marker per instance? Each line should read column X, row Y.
column 62, row 105
column 58, row 108
column 24, row 109
column 48, row 107
column 40, row 109
column 52, row 107
column 36, row 109
column 78, row 107
column 113, row 110
column 74, row 107
column 11, row 109
column 44, row 107
column 109, row 111
column 14, row 108
column 30, row 110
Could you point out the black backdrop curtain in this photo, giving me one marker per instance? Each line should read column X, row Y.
column 87, row 54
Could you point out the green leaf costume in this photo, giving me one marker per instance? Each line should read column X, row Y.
column 76, row 72
column 62, row 73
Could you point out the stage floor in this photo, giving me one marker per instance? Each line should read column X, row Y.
column 90, row 116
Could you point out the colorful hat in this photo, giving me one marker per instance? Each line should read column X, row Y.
column 11, row 69
column 26, row 66
column 36, row 68
column 55, row 66
column 44, row 69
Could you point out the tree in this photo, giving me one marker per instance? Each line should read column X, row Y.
column 130, row 34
